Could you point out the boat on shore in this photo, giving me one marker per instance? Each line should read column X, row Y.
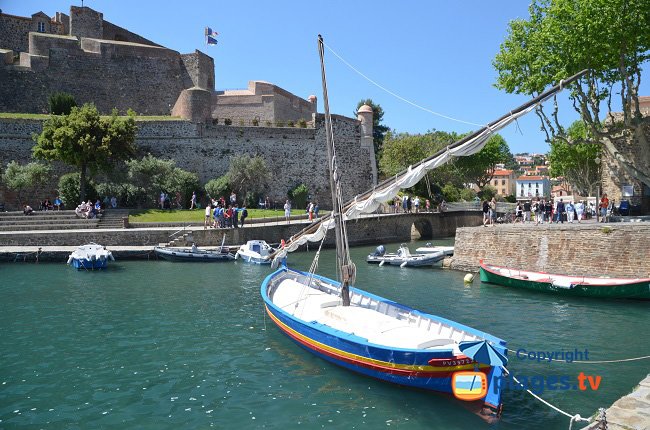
column 90, row 257
column 404, row 258
column 579, row 286
column 255, row 251
column 194, row 254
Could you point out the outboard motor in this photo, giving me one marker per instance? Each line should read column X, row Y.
column 379, row 251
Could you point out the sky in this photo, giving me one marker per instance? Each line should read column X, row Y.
column 436, row 54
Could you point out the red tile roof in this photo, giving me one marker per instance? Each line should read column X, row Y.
column 531, row 178
column 504, row 172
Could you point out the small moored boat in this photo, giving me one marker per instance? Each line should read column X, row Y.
column 194, row 254
column 428, row 248
column 404, row 258
column 255, row 251
column 583, row 286
column 90, row 257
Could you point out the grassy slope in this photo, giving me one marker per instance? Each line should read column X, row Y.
column 184, row 215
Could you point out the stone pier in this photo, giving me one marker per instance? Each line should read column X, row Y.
column 631, row 412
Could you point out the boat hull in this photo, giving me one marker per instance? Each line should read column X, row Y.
column 86, row 264
column 417, row 368
column 188, row 255
column 632, row 290
column 411, row 261
column 254, row 259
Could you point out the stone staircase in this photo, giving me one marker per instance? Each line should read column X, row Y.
column 59, row 220
column 113, row 218
column 182, row 238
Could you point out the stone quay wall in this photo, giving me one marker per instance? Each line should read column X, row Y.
column 293, row 155
column 367, row 230
column 614, row 249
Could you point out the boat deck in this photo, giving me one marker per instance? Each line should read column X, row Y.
column 377, row 327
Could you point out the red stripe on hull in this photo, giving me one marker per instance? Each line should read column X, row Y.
column 383, row 369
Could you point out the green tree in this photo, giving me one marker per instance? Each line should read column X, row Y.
column 479, row 168
column 576, row 162
column 248, row 174
column 610, row 38
column 25, row 178
column 218, row 187
column 86, row 141
column 68, row 188
column 403, row 150
column 299, row 195
column 61, row 103
column 451, row 193
column 153, row 175
column 378, row 129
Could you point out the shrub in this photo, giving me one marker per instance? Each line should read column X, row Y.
column 242, row 123
column 450, row 193
column 256, row 121
column 467, row 194
column 69, row 190
column 279, row 124
column 302, row 123
column 61, row 103
column 215, row 121
column 268, row 123
column 299, row 194
column 227, row 121
column 290, row 123
column 218, row 187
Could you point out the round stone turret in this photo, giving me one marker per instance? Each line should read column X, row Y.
column 364, row 114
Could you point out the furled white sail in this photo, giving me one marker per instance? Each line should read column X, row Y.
column 369, row 202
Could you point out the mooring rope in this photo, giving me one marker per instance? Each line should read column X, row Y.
column 574, row 418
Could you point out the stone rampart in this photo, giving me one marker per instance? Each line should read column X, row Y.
column 619, row 249
column 293, row 155
column 122, row 75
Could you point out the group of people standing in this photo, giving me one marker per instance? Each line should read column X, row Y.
column 548, row 211
column 218, row 214
column 408, row 204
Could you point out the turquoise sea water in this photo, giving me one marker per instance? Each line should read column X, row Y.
column 160, row 345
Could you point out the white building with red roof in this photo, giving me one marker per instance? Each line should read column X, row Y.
column 532, row 187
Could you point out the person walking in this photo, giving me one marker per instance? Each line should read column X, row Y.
column 493, row 210
column 310, row 211
column 405, row 203
column 208, row 215
column 527, row 207
column 604, row 204
column 287, row 211
column 193, row 201
column 561, row 211
column 244, row 215
column 580, row 208
column 570, row 212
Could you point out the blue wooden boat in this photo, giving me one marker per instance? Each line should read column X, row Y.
column 377, row 337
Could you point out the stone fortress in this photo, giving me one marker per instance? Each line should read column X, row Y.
column 97, row 61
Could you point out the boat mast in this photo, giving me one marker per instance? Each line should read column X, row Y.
column 345, row 268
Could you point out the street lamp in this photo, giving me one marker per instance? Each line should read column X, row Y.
column 597, row 161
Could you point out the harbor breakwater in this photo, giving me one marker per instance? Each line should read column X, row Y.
column 611, row 249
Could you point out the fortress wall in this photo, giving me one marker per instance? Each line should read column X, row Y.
column 85, row 22
column 14, row 31
column 293, row 155
column 200, row 68
column 122, row 75
column 262, row 100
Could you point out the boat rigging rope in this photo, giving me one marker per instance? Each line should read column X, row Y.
column 574, row 418
column 644, row 357
column 397, row 95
